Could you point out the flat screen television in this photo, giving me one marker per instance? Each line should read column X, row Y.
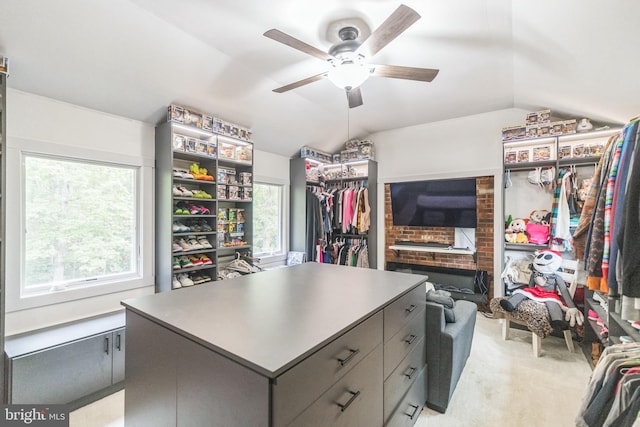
column 435, row 203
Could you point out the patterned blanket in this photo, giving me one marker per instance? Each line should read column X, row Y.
column 534, row 314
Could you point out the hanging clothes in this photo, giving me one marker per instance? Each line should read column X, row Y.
column 613, row 391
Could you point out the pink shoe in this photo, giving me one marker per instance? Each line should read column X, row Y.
column 592, row 315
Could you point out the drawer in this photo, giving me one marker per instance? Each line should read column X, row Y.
column 401, row 310
column 407, row 412
column 297, row 388
column 355, row 400
column 405, row 340
column 403, row 376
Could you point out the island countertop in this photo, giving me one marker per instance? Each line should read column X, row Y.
column 271, row 320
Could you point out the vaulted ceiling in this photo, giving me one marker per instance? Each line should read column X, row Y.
column 134, row 57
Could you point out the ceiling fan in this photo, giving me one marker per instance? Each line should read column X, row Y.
column 348, row 65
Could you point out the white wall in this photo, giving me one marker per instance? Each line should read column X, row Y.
column 464, row 147
column 34, row 118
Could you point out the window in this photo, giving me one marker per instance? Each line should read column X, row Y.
column 80, row 224
column 268, row 221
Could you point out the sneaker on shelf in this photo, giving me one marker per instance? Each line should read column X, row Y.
column 185, row 192
column 175, row 283
column 191, row 240
column 184, row 280
column 204, row 260
column 179, row 227
column 204, row 242
column 176, row 192
column 184, row 245
column 198, row 278
column 195, row 260
column 176, row 247
column 204, row 226
column 636, row 325
column 176, row 264
column 592, row 315
column 185, row 262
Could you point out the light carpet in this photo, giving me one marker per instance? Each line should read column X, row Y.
column 503, row 384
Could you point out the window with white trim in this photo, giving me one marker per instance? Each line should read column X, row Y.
column 268, row 219
column 80, row 222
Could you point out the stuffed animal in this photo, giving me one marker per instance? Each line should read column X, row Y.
column 549, row 288
column 516, row 232
column 538, row 216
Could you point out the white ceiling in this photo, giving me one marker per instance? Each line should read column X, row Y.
column 134, row 57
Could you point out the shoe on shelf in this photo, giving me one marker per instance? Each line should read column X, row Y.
column 185, row 192
column 195, row 260
column 184, row 280
column 179, row 227
column 592, row 315
column 204, row 226
column 184, row 245
column 199, row 278
column 204, row 260
column 185, row 262
column 636, row 325
column 204, row 242
column 176, row 247
column 176, row 264
column 176, row 192
column 191, row 241
column 201, row 194
column 175, row 283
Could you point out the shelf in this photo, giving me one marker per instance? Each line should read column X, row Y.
column 235, row 200
column 194, row 233
column 579, row 161
column 193, row 216
column 435, row 250
column 193, row 199
column 190, row 269
column 527, row 247
column 235, row 162
column 193, row 252
column 193, row 181
column 529, row 165
column 184, row 155
column 624, row 325
column 221, row 248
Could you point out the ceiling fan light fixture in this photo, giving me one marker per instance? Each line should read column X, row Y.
column 348, row 74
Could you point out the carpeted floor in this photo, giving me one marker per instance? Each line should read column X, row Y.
column 503, row 384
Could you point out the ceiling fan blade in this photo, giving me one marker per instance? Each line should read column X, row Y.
column 302, row 82
column 407, row 73
column 392, row 27
column 354, row 96
column 293, row 42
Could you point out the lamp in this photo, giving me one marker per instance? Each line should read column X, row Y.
column 348, row 73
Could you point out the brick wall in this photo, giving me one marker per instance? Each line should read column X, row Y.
column 484, row 236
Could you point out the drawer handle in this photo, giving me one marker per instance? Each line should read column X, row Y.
column 411, row 339
column 415, row 411
column 411, row 308
column 118, row 339
column 349, row 357
column 410, row 372
column 106, row 345
column 354, row 395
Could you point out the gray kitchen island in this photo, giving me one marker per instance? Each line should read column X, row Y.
column 307, row 345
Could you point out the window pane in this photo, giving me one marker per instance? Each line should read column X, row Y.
column 80, row 223
column 267, row 219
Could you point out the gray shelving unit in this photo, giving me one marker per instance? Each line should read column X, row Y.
column 3, row 186
column 169, row 155
column 298, row 206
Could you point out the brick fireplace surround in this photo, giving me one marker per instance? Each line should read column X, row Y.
column 484, row 236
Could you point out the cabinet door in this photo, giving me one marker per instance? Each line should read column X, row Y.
column 117, row 349
column 62, row 374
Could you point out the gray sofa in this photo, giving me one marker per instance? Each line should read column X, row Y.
column 448, row 347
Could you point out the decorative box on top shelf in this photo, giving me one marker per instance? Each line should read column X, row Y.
column 538, row 151
column 189, row 117
column 4, row 65
column 314, row 154
column 235, row 150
